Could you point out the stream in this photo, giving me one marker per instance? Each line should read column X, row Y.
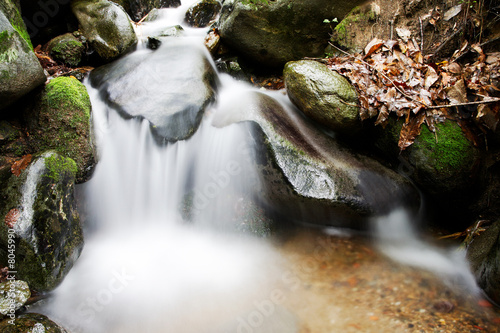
column 146, row 267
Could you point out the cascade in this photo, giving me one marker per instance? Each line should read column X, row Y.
column 146, row 266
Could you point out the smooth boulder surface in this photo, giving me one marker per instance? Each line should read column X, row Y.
column 281, row 31
column 106, row 26
column 307, row 175
column 323, row 95
column 20, row 71
column 170, row 87
column 38, row 207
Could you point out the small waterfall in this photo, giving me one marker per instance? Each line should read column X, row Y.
column 147, row 265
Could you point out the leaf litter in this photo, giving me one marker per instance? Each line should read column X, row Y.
column 392, row 77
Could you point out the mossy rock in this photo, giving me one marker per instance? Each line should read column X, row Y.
column 106, row 26
column 323, row 95
column 13, row 295
column 20, row 70
column 60, row 120
column 31, row 322
column 202, row 13
column 444, row 161
column 39, row 209
column 66, row 48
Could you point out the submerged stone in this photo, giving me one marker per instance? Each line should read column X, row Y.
column 38, row 211
column 308, row 176
column 172, row 95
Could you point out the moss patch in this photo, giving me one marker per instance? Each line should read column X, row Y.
column 57, row 164
column 448, row 151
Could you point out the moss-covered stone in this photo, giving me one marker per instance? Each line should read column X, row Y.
column 106, row 26
column 31, row 322
column 444, row 160
column 13, row 295
column 11, row 11
column 323, row 95
column 66, row 48
column 39, row 208
column 60, row 120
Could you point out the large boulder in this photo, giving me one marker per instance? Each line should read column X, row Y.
column 38, row 212
column 31, row 322
column 13, row 295
column 281, row 31
column 20, row 71
column 170, row 87
column 484, row 257
column 323, row 95
column 106, row 26
column 308, row 176
column 59, row 119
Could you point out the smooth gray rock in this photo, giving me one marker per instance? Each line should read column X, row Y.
column 170, row 87
column 106, row 26
column 323, row 95
column 308, row 176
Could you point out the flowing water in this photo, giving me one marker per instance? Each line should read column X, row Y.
column 146, row 267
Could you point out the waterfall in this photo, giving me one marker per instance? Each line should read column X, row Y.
column 147, row 266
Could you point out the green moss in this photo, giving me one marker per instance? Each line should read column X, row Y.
column 8, row 52
column 448, row 149
column 69, row 93
column 58, row 165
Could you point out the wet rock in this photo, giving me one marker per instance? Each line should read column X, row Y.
column 20, row 71
column 280, row 31
column 484, row 257
column 59, row 119
column 154, row 42
column 136, row 86
column 202, row 13
column 38, row 211
column 323, row 95
column 13, row 295
column 106, row 26
column 441, row 162
column 308, row 176
column 31, row 322
column 66, row 48
column 137, row 9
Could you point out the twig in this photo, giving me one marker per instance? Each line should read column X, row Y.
column 421, row 36
column 381, row 73
column 491, row 100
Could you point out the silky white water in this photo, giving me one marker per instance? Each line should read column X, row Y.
column 146, row 267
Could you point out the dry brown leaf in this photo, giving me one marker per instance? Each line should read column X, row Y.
column 410, row 131
column 373, row 46
column 457, row 93
column 20, row 165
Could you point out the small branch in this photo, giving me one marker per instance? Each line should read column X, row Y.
column 491, row 100
column 421, row 36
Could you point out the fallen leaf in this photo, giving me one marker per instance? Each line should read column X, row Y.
column 12, row 217
column 484, row 303
column 373, row 46
column 404, row 34
column 457, row 93
column 410, row 131
column 20, row 165
column 452, row 12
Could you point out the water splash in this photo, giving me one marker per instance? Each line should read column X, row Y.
column 397, row 238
